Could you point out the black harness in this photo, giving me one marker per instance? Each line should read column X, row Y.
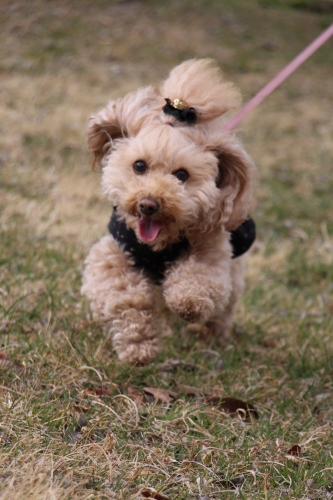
column 154, row 263
column 241, row 239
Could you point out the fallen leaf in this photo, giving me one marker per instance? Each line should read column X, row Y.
column 189, row 390
column 26, row 329
column 82, row 422
column 138, row 397
column 285, row 494
column 164, row 395
column 151, row 493
column 316, row 410
column 233, row 482
column 99, row 391
column 268, row 343
column 294, row 454
column 71, row 436
column 7, row 364
column 234, row 407
column 295, row 451
column 98, row 436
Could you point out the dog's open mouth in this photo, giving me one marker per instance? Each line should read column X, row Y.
column 148, row 228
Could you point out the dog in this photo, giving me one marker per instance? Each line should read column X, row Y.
column 182, row 191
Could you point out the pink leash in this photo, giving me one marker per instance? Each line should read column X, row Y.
column 273, row 84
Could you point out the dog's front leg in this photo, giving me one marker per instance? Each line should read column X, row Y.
column 199, row 285
column 122, row 298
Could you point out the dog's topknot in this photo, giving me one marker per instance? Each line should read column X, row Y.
column 201, row 84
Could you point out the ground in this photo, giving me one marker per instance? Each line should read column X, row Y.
column 75, row 423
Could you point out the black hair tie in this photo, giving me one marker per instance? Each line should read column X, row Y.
column 179, row 109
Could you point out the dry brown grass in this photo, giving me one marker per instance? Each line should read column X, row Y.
column 61, row 436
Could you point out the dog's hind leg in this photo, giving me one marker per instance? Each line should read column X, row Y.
column 123, row 299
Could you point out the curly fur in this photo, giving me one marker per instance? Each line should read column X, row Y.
column 205, row 285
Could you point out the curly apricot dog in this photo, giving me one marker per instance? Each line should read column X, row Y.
column 181, row 193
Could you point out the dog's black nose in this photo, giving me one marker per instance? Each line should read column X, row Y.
column 148, row 207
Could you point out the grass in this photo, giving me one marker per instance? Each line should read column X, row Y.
column 75, row 423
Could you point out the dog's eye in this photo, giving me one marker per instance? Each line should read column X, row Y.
column 140, row 167
column 181, row 175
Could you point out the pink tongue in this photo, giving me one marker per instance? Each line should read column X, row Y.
column 148, row 228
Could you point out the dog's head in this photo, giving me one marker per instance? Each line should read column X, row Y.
column 167, row 166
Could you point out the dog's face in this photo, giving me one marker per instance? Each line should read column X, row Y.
column 169, row 179
column 163, row 184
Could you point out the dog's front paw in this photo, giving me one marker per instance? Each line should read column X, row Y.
column 139, row 354
column 191, row 309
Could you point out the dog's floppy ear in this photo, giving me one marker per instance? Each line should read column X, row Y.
column 119, row 119
column 236, row 181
